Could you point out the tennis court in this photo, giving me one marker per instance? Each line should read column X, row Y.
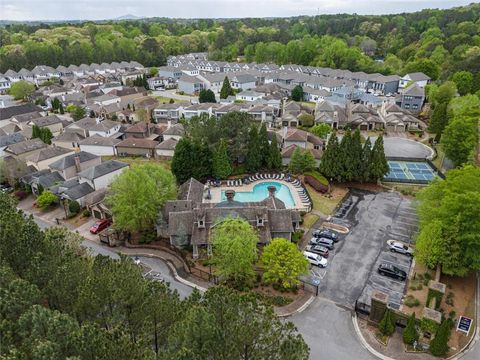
column 410, row 171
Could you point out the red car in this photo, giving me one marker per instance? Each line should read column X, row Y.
column 100, row 225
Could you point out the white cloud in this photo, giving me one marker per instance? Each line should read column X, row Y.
column 107, row 9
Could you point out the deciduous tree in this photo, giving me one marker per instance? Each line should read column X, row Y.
column 235, row 251
column 449, row 215
column 21, row 90
column 283, row 263
column 297, row 93
column 206, row 96
column 137, row 195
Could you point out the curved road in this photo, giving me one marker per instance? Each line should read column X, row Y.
column 326, row 327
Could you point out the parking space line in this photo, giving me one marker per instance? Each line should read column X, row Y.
column 396, row 264
column 389, row 279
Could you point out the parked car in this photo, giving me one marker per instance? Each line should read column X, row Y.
column 5, row 188
column 326, row 233
column 315, row 259
column 399, row 247
column 392, row 271
column 318, row 249
column 100, row 225
column 328, row 243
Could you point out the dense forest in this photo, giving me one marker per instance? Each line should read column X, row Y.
column 437, row 42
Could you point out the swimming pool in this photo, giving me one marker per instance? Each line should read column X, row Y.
column 260, row 192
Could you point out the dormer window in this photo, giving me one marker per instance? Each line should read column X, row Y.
column 259, row 221
column 201, row 223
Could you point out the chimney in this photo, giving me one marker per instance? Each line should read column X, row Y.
column 77, row 163
column 230, row 194
column 169, row 124
column 271, row 191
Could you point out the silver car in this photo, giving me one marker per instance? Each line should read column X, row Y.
column 399, row 247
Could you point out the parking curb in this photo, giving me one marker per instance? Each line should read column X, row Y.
column 364, row 342
column 170, row 266
column 300, row 309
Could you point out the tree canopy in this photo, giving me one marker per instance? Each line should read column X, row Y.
column 449, row 216
column 235, row 251
column 206, row 96
column 226, row 89
column 58, row 302
column 137, row 195
column 21, row 90
column 283, row 263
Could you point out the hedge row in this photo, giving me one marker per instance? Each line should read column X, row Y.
column 317, row 185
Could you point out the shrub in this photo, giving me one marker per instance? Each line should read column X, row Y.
column 428, row 325
column 319, row 177
column 434, row 294
column 386, row 325
column 411, row 301
column 306, row 120
column 20, row 195
column 297, row 235
column 410, row 334
column 280, row 300
column 46, row 199
column 317, row 185
column 86, row 213
column 439, row 344
column 74, row 207
column 449, row 299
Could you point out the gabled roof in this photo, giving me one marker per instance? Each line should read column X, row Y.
column 79, row 191
column 138, row 143
column 11, row 139
column 69, row 136
column 10, row 111
column 418, row 76
column 50, row 179
column 25, row 146
column 296, row 135
column 414, row 90
column 191, row 190
column 48, row 153
column 168, row 144
column 69, row 160
column 46, row 120
column 98, row 140
column 176, row 129
column 104, row 168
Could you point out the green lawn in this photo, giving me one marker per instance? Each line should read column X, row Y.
column 138, row 160
column 166, row 100
column 440, row 156
column 308, row 220
column 323, row 203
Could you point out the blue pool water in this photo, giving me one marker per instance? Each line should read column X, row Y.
column 260, row 192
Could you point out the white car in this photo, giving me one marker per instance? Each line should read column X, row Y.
column 315, row 259
column 399, row 247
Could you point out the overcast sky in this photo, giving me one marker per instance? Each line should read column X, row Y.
column 108, row 9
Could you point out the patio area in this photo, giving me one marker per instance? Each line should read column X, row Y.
column 301, row 198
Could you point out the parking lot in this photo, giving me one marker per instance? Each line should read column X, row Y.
column 373, row 219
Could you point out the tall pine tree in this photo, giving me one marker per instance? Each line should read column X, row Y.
column 364, row 172
column 182, row 162
column 378, row 163
column 329, row 164
column 344, row 158
column 201, row 156
column 264, row 145
column 226, row 90
column 356, row 152
column 275, row 157
column 254, row 157
column 438, row 120
column 221, row 162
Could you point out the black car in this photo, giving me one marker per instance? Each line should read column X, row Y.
column 392, row 271
column 326, row 233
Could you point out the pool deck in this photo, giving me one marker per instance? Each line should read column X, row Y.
column 216, row 192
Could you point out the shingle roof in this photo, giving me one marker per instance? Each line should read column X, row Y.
column 176, row 129
column 138, row 143
column 25, row 146
column 11, row 139
column 98, row 140
column 69, row 136
column 168, row 144
column 47, row 120
column 191, row 190
column 50, row 179
column 103, row 169
column 69, row 160
column 8, row 112
column 48, row 153
column 79, row 191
